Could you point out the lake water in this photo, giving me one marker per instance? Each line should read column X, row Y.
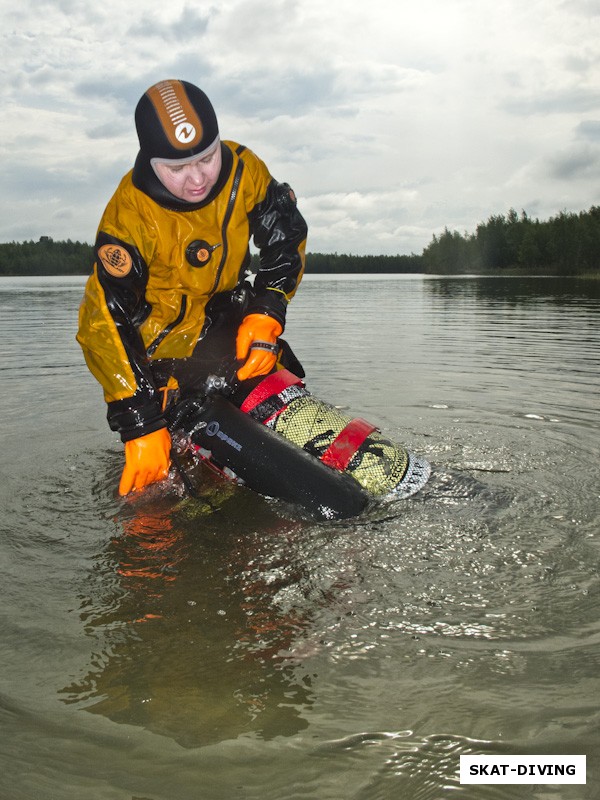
column 169, row 649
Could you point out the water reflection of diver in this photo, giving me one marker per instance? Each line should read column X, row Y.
column 193, row 644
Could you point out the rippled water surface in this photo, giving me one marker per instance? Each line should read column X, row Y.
column 165, row 648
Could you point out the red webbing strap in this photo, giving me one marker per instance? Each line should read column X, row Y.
column 346, row 443
column 272, row 384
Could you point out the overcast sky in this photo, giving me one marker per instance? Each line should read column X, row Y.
column 391, row 119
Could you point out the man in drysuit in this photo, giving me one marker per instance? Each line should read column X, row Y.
column 167, row 303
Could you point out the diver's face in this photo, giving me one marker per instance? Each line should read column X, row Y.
column 194, row 180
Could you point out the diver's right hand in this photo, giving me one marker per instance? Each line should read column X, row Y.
column 147, row 460
column 256, row 345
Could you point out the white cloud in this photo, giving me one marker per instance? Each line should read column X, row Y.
column 390, row 119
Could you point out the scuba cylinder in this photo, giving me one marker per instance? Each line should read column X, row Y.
column 282, row 442
column 352, row 446
column 254, row 455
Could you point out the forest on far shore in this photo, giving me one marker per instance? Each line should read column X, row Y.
column 567, row 244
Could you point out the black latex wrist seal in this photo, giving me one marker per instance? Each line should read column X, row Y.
column 274, row 304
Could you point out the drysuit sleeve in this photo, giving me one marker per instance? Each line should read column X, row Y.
column 279, row 232
column 112, row 311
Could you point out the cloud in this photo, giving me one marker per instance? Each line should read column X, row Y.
column 570, row 100
column 585, row 8
column 189, row 26
column 354, row 221
column 589, row 129
column 578, row 163
column 288, row 93
column 391, row 121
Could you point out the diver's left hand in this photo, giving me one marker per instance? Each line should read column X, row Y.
column 257, row 343
column 147, row 460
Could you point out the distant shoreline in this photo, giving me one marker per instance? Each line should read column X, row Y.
column 565, row 245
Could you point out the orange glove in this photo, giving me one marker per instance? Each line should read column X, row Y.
column 147, row 459
column 257, row 335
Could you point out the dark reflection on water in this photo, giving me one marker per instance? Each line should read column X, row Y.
column 189, row 643
column 533, row 290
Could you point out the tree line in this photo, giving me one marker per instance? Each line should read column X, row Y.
column 327, row 263
column 46, row 257
column 567, row 244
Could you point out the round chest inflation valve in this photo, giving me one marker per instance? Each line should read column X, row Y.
column 199, row 251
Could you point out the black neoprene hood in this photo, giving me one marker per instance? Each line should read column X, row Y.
column 175, row 119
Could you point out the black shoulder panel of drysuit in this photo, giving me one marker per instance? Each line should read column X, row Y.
column 278, row 229
column 125, row 300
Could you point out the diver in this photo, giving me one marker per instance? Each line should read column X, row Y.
column 169, row 301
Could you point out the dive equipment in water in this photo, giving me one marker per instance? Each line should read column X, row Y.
column 352, row 446
column 284, row 443
column 250, row 453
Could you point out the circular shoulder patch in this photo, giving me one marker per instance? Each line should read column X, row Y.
column 115, row 260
